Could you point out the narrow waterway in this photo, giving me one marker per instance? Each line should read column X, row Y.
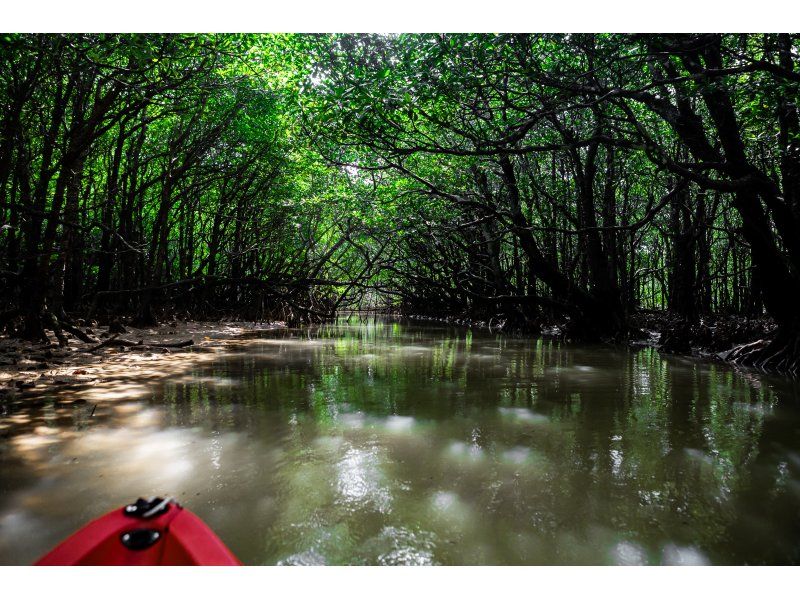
column 380, row 442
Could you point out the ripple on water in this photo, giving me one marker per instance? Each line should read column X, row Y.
column 523, row 415
column 629, row 553
column 353, row 421
column 443, row 500
column 305, row 558
column 360, row 481
column 402, row 546
column 461, row 451
column 329, row 445
column 683, row 555
column 399, row 423
column 518, row 455
column 450, row 510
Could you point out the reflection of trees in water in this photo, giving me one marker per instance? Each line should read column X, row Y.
column 495, row 448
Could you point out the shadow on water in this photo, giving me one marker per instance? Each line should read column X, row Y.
column 377, row 442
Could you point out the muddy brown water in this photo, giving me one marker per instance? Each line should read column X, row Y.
column 378, row 442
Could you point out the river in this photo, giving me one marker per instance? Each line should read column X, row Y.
column 380, row 442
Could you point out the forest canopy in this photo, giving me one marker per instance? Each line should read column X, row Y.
column 568, row 179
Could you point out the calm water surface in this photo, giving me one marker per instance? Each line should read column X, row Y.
column 387, row 443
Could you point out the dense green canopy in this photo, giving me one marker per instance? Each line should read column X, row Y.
column 520, row 178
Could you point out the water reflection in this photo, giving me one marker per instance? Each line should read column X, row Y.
column 360, row 481
column 382, row 443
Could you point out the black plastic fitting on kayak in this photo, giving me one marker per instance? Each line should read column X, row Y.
column 147, row 508
column 139, row 539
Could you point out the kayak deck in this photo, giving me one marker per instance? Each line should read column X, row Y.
column 154, row 532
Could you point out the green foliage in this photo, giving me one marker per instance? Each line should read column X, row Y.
column 485, row 174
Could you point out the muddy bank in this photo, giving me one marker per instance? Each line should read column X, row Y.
column 715, row 336
column 29, row 370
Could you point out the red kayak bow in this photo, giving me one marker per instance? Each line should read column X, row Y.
column 149, row 532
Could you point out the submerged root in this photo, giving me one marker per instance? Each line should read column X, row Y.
column 779, row 354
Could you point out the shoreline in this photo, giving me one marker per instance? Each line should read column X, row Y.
column 713, row 339
column 31, row 370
